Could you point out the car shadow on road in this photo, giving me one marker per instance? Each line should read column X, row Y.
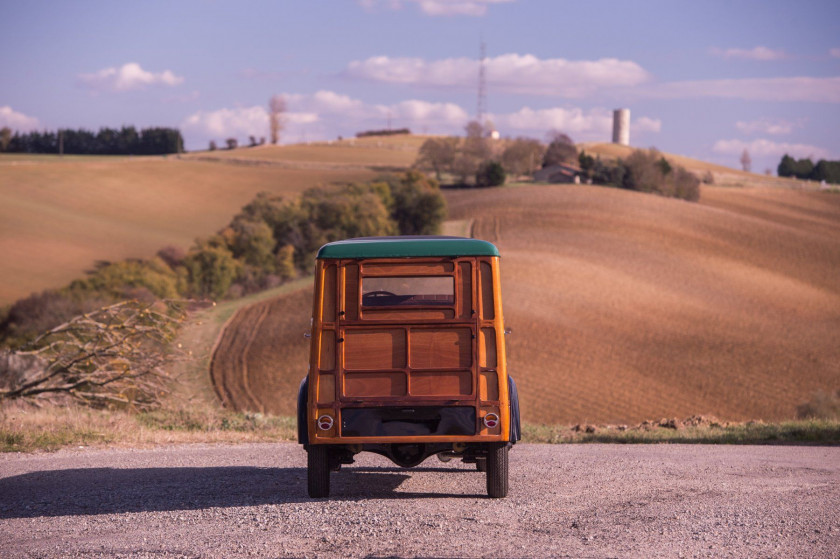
column 92, row 491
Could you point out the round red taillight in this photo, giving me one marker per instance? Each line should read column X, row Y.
column 491, row 420
column 325, row 422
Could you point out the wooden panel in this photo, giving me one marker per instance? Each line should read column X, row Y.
column 351, row 292
column 326, row 389
column 458, row 383
column 329, row 312
column 327, row 359
column 487, row 348
column 449, row 348
column 488, row 385
column 418, row 314
column 374, row 349
column 465, row 290
column 412, row 269
column 374, row 385
column 486, row 273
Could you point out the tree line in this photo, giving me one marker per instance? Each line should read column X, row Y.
column 805, row 169
column 477, row 160
column 270, row 241
column 108, row 141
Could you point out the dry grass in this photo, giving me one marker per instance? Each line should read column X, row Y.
column 191, row 414
column 379, row 151
column 627, row 306
column 751, row 432
column 59, row 215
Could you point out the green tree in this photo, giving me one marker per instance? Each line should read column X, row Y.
column 211, row 269
column 418, row 208
column 130, row 279
column 490, row 173
column 787, row 166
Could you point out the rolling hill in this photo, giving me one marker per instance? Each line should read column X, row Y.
column 626, row 306
column 60, row 215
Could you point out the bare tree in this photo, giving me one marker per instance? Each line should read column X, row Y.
column 561, row 149
column 110, row 357
column 276, row 108
column 523, row 156
column 746, row 161
column 437, row 154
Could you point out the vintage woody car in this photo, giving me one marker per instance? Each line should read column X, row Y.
column 407, row 358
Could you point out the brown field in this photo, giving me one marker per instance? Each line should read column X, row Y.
column 59, row 215
column 626, row 306
column 378, row 151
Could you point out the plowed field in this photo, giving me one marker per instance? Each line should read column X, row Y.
column 626, row 306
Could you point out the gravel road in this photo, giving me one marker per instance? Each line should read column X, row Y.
column 565, row 501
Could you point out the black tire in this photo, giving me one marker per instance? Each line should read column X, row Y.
column 481, row 464
column 318, row 471
column 497, row 470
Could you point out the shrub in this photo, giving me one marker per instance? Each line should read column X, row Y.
column 126, row 279
column 211, row 269
column 418, row 206
column 490, row 173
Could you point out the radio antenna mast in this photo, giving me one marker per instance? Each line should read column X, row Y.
column 482, row 85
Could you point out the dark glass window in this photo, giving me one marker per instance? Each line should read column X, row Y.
column 408, row 291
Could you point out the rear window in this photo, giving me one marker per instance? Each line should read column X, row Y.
column 408, row 291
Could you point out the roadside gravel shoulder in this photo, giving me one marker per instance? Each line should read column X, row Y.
column 565, row 500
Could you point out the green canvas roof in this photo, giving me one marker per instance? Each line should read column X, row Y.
column 408, row 246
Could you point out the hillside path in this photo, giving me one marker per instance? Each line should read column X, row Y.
column 565, row 501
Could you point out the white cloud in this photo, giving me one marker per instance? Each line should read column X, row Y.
column 473, row 8
column 237, row 122
column 646, row 124
column 17, row 121
column 775, row 127
column 320, row 116
column 516, row 73
column 835, row 53
column 128, row 77
column 769, row 148
column 574, row 121
column 326, row 114
column 581, row 125
column 816, row 90
column 757, row 53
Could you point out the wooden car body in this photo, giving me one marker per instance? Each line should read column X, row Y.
column 407, row 355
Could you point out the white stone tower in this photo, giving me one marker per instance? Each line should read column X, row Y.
column 621, row 127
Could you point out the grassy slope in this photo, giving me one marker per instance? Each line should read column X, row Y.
column 743, row 324
column 384, row 151
column 58, row 216
column 628, row 306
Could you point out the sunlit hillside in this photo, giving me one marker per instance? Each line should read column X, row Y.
column 627, row 306
column 58, row 216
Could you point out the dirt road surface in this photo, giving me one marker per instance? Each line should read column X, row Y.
column 565, row 501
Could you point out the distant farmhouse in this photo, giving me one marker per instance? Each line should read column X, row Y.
column 559, row 173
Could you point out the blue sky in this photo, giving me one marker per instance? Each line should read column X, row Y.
column 704, row 79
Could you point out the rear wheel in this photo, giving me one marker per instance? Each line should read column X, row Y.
column 497, row 470
column 318, row 471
